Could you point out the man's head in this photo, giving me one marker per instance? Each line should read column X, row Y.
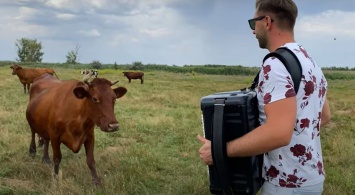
column 272, row 14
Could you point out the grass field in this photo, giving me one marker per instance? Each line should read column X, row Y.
column 156, row 150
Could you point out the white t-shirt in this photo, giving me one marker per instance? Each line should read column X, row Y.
column 300, row 163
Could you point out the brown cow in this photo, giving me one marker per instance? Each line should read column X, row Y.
column 27, row 75
column 67, row 112
column 134, row 75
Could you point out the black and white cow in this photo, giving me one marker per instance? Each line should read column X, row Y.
column 90, row 73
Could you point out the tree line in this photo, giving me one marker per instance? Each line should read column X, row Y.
column 30, row 53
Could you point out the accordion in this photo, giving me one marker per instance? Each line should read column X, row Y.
column 226, row 116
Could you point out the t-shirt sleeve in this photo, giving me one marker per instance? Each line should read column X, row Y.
column 275, row 82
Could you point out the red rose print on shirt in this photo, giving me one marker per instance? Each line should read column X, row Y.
column 260, row 86
column 271, row 173
column 266, row 70
column 291, row 91
column 304, row 124
column 322, row 88
column 291, row 180
column 298, row 150
column 267, row 98
column 304, row 52
column 309, row 88
column 302, row 153
column 320, row 168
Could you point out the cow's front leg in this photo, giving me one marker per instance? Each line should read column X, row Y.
column 28, row 88
column 32, row 149
column 57, row 155
column 89, row 150
column 24, row 88
column 45, row 158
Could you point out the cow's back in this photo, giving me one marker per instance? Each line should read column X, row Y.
column 42, row 84
column 28, row 75
column 134, row 75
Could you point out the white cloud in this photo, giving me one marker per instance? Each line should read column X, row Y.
column 26, row 13
column 331, row 22
column 91, row 33
column 15, row 26
column 97, row 3
column 57, row 3
column 155, row 32
column 66, row 16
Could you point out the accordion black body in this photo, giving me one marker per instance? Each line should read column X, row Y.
column 226, row 116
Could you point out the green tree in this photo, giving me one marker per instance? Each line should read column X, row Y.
column 115, row 66
column 72, row 55
column 137, row 66
column 96, row 64
column 29, row 50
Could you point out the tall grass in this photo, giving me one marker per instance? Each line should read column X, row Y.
column 156, row 150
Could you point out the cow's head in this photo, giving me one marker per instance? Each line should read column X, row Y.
column 14, row 68
column 100, row 100
column 125, row 73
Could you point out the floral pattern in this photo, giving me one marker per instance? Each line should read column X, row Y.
column 301, row 161
column 291, row 180
column 302, row 153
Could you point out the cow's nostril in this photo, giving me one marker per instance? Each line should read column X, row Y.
column 113, row 126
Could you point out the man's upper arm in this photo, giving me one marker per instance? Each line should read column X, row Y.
column 281, row 118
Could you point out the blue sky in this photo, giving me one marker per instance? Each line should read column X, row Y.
column 173, row 32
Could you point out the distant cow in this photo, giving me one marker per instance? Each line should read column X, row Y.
column 27, row 75
column 134, row 75
column 91, row 73
column 67, row 112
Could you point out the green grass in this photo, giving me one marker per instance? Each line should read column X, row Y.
column 156, row 150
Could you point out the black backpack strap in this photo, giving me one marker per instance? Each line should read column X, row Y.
column 290, row 61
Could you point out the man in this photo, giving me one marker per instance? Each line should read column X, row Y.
column 289, row 134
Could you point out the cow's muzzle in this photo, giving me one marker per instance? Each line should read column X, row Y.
column 112, row 127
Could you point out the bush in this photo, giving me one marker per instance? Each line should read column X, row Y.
column 96, row 64
column 137, row 66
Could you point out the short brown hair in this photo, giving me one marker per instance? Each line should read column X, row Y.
column 284, row 11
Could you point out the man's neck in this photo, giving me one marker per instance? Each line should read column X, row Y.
column 279, row 39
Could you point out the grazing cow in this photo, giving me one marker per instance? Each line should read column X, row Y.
column 90, row 73
column 134, row 75
column 27, row 75
column 67, row 112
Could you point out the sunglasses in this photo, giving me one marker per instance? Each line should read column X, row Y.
column 252, row 21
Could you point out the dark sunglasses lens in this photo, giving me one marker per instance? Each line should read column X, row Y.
column 252, row 24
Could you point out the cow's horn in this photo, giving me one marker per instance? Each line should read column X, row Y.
column 114, row 82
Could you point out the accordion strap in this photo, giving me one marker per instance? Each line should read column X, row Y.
column 219, row 150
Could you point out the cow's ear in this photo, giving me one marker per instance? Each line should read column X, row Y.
column 120, row 91
column 81, row 91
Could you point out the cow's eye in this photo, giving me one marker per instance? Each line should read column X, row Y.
column 94, row 99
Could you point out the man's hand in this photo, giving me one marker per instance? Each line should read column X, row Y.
column 205, row 150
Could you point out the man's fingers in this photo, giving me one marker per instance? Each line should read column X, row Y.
column 202, row 139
